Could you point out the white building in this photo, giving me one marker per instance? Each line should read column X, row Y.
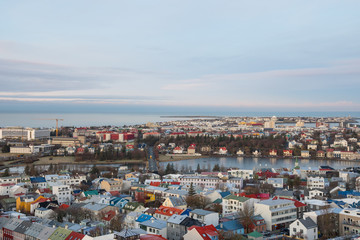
column 232, row 203
column 241, row 173
column 276, row 213
column 276, row 182
column 24, row 133
column 304, row 228
column 5, row 188
column 315, row 182
column 63, row 193
column 43, row 212
column 205, row 217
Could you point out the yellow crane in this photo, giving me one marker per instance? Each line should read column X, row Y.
column 57, row 123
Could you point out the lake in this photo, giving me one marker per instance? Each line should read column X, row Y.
column 251, row 163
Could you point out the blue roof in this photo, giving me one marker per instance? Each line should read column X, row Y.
column 77, row 191
column 351, row 192
column 230, row 225
column 186, row 212
column 224, row 194
column 37, row 179
column 143, row 218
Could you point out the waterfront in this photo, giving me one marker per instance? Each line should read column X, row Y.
column 120, row 119
column 251, row 163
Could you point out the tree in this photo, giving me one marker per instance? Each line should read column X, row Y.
column 116, row 224
column 246, row 217
column 216, row 168
column 198, row 169
column 5, row 149
column 191, row 191
column 6, row 172
column 328, row 224
column 27, row 170
column 197, row 201
column 94, row 170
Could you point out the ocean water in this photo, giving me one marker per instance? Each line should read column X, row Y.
column 120, row 119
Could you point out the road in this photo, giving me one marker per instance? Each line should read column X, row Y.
column 152, row 160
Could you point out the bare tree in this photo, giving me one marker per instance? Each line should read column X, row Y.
column 246, row 217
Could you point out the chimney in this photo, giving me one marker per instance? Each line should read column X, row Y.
column 18, row 216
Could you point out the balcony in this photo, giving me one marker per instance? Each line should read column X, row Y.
column 354, row 224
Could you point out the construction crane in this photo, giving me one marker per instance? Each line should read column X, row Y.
column 57, row 123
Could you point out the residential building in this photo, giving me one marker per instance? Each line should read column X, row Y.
column 277, row 213
column 205, row 217
column 304, row 228
column 232, row 203
column 202, row 233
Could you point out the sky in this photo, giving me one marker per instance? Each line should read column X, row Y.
column 141, row 55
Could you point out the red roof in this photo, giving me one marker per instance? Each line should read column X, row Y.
column 114, row 193
column 206, row 231
column 44, row 190
column 64, row 206
column 168, row 211
column 7, row 184
column 75, row 236
column 109, row 215
column 156, row 184
column 177, row 148
column 151, row 237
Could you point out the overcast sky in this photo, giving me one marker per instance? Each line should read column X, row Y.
column 245, row 55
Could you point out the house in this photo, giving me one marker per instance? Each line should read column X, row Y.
column 316, row 194
column 111, row 184
column 256, row 153
column 287, row 152
column 284, row 210
column 223, row 151
column 154, row 226
column 38, row 231
column 133, row 206
column 316, row 182
column 202, row 233
column 205, row 217
column 60, row 234
column 348, row 219
column 276, row 182
column 232, row 203
column 273, row 153
column 258, row 224
column 164, row 213
column 177, row 226
column 304, row 228
column 9, row 227
column 305, row 154
column 16, row 191
column 38, row 182
column 43, row 212
column 241, row 173
column 255, row 235
column 63, row 193
column 178, row 150
column 320, row 154
column 240, row 152
column 8, row 204
column 175, row 202
column 191, row 150
column 231, row 227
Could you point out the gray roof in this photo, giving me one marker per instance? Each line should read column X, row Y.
column 95, row 206
column 13, row 223
column 3, row 221
column 46, row 232
column 176, row 191
column 308, row 223
column 154, row 223
column 201, row 212
column 34, row 230
column 176, row 219
column 177, row 201
column 271, row 202
column 126, row 233
column 25, row 225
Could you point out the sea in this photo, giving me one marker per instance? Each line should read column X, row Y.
column 43, row 120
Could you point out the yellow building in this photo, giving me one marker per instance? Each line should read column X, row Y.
column 27, row 204
column 112, row 185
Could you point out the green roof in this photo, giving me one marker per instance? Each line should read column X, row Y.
column 90, row 193
column 9, row 200
column 240, row 199
column 132, row 206
column 60, row 234
column 219, row 200
column 255, row 234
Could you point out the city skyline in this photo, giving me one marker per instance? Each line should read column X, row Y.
column 265, row 56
